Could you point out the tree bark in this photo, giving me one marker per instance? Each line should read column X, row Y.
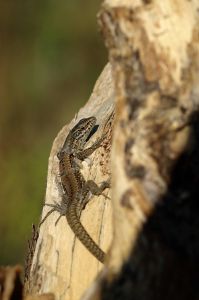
column 154, row 52
column 61, row 264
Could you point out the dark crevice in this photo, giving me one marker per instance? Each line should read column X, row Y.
column 164, row 262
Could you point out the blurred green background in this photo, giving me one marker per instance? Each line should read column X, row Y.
column 51, row 54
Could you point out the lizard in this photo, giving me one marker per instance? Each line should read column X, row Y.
column 75, row 188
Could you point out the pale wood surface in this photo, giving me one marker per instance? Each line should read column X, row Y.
column 61, row 264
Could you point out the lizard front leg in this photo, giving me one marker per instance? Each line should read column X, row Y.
column 91, row 187
column 83, row 154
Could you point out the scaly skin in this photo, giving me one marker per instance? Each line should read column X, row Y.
column 74, row 186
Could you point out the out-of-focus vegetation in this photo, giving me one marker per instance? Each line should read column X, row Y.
column 50, row 56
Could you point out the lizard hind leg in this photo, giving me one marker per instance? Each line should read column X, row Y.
column 60, row 208
column 98, row 190
column 46, row 216
column 91, row 188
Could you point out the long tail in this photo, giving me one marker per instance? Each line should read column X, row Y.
column 81, row 233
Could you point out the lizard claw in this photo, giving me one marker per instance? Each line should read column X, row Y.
column 60, row 208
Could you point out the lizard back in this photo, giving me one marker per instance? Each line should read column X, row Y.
column 69, row 178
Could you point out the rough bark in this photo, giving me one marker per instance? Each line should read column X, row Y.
column 154, row 52
column 61, row 264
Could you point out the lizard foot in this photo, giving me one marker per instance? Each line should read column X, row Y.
column 60, row 208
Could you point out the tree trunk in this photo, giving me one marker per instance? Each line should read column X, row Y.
column 154, row 52
column 61, row 264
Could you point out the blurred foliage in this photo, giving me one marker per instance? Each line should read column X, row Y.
column 50, row 56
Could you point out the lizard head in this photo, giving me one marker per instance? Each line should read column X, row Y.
column 79, row 135
column 82, row 130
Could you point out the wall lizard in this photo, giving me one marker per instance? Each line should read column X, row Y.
column 75, row 188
